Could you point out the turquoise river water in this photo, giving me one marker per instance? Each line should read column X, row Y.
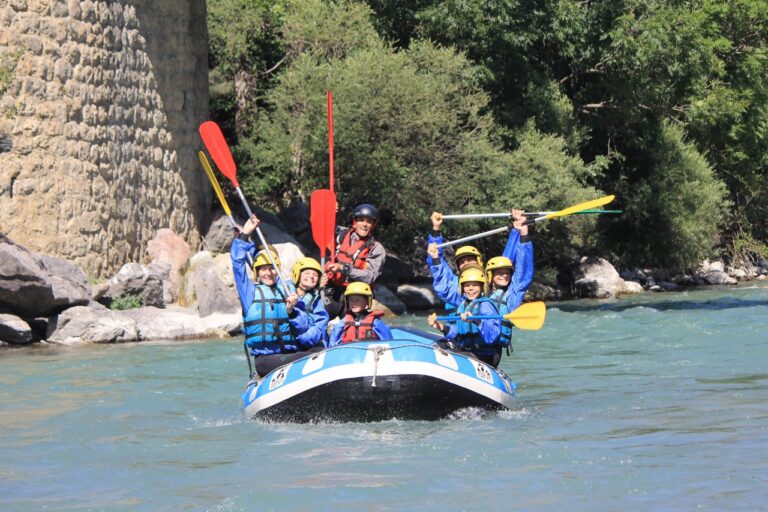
column 658, row 402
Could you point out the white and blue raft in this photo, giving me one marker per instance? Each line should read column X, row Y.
column 411, row 377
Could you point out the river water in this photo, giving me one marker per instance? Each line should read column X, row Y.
column 657, row 402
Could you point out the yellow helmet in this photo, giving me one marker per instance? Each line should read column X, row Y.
column 261, row 259
column 305, row 264
column 359, row 288
column 497, row 263
column 468, row 250
column 472, row 274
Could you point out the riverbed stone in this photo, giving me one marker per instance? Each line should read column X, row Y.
column 596, row 278
column 169, row 248
column 631, row 288
column 177, row 323
column 386, row 297
column 418, row 296
column 718, row 277
column 34, row 284
column 14, row 330
column 219, row 236
column 91, row 324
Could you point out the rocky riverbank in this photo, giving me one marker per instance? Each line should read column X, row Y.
column 175, row 294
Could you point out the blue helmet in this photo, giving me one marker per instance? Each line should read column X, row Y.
column 366, row 210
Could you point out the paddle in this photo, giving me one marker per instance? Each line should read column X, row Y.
column 329, row 98
column 595, row 203
column 529, row 317
column 220, row 194
column 217, row 146
column 322, row 216
column 216, row 187
column 502, row 215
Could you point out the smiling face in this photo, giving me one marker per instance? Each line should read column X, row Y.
column 363, row 225
column 267, row 275
column 501, row 277
column 357, row 303
column 308, row 279
column 472, row 289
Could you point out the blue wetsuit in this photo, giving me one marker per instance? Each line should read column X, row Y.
column 247, row 290
column 317, row 333
column 518, row 249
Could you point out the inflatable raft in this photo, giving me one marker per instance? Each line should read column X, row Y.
column 409, row 377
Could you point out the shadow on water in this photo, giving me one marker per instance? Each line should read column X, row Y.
column 674, row 305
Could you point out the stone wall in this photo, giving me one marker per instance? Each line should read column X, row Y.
column 101, row 109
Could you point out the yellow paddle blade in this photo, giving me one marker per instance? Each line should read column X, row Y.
column 214, row 182
column 595, row 203
column 529, row 317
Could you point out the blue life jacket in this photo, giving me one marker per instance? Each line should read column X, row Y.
column 265, row 324
column 310, row 301
column 469, row 336
column 499, row 299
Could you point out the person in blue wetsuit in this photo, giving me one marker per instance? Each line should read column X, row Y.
column 271, row 320
column 519, row 249
column 480, row 337
column 308, row 280
column 359, row 323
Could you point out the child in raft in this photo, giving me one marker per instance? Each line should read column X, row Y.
column 359, row 323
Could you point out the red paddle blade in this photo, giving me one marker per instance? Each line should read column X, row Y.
column 219, row 150
column 330, row 135
column 322, row 216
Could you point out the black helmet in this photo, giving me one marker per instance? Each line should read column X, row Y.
column 366, row 210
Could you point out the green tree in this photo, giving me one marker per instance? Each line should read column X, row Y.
column 245, row 49
column 674, row 215
column 412, row 132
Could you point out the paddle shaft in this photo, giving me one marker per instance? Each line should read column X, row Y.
column 220, row 194
column 330, row 136
column 263, row 242
column 451, row 318
column 473, row 237
column 461, row 216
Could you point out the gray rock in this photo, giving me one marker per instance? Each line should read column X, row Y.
column 296, row 218
column 91, row 324
column 418, row 296
column 150, row 283
column 175, row 323
column 218, row 239
column 213, row 296
column 395, row 271
column 718, row 277
column 385, row 297
column 541, row 291
column 631, row 288
column 14, row 330
column 597, row 278
column 668, row 286
column 37, row 285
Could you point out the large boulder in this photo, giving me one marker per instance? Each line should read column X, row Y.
column 419, row 296
column 204, row 285
column 385, row 297
column 14, row 330
column 38, row 285
column 169, row 248
column 541, row 291
column 175, row 323
column 91, row 324
column 151, row 283
column 596, row 278
column 219, row 236
column 395, row 271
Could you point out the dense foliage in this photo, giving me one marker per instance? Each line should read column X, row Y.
column 467, row 105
